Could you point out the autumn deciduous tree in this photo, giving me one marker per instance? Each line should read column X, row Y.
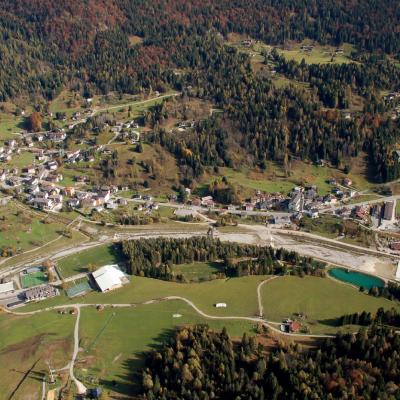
column 35, row 122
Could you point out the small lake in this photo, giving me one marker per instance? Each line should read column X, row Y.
column 356, row 278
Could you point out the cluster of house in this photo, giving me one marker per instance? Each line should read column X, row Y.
column 290, row 326
column 384, row 213
column 307, row 48
column 39, row 184
column 127, row 131
column 9, row 149
column 393, row 98
column 99, row 198
column 307, row 198
column 300, row 199
column 247, row 42
column 56, row 136
column 36, row 181
column 80, row 115
column 78, row 156
column 186, row 125
column 396, row 112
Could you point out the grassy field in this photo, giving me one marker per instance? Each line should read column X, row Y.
column 78, row 262
column 21, row 160
column 25, row 230
column 204, row 295
column 319, row 55
column 197, row 270
column 10, row 124
column 322, row 300
column 28, row 343
column 50, row 248
column 274, row 179
column 325, row 225
column 111, row 355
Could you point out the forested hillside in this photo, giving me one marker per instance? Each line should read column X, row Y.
column 131, row 46
column 70, row 38
column 200, row 364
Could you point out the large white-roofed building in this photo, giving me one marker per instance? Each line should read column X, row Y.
column 109, row 277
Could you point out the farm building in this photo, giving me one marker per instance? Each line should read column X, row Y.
column 109, row 277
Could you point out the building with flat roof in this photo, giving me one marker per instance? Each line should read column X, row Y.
column 109, row 277
column 40, row 292
column 389, row 212
column 6, row 287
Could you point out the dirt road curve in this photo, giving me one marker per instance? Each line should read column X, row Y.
column 80, row 387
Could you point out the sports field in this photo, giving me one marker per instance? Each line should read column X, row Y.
column 33, row 279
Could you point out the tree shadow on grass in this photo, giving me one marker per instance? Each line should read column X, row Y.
column 130, row 383
column 335, row 322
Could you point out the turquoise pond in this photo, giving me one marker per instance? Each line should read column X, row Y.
column 356, row 278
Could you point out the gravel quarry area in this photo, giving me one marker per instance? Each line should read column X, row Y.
column 383, row 267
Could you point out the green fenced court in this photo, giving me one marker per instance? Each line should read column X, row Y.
column 33, row 279
column 78, row 289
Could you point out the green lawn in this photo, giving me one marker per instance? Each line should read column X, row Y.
column 113, row 356
column 197, row 270
column 319, row 298
column 25, row 340
column 322, row 300
column 98, row 256
column 325, row 225
column 21, row 160
column 10, row 124
column 24, row 230
column 274, row 179
column 364, row 197
column 204, row 295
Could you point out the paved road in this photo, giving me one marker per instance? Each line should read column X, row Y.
column 362, row 203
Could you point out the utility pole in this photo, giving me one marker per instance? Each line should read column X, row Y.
column 52, row 379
